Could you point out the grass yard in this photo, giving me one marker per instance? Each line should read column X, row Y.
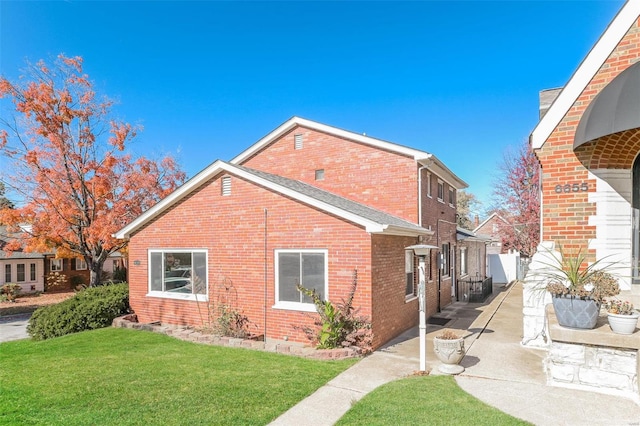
column 425, row 400
column 120, row 376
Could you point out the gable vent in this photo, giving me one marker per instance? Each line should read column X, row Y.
column 297, row 141
column 226, row 185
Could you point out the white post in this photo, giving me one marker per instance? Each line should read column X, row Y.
column 423, row 315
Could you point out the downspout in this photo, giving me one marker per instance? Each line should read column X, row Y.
column 420, row 169
column 420, row 193
column 265, row 276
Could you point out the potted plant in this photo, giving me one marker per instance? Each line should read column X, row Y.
column 578, row 289
column 449, row 348
column 623, row 319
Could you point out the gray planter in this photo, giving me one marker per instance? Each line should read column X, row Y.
column 572, row 312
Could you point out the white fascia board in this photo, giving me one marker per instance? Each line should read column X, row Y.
column 401, row 232
column 170, row 199
column 585, row 72
column 435, row 165
column 219, row 166
column 345, row 134
column 369, row 225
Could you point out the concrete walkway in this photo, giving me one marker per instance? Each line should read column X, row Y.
column 14, row 327
column 499, row 371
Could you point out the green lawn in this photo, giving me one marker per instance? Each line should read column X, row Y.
column 120, row 376
column 425, row 400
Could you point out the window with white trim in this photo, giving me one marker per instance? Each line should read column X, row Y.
column 81, row 264
column 20, row 272
column 410, row 288
column 7, row 273
column 451, row 197
column 178, row 273
column 440, row 190
column 429, row 185
column 56, row 265
column 463, row 261
column 32, row 272
column 307, row 268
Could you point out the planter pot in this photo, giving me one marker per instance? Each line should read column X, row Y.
column 450, row 352
column 623, row 324
column 576, row 313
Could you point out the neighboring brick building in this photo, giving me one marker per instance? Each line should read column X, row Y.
column 588, row 143
column 490, row 227
column 308, row 202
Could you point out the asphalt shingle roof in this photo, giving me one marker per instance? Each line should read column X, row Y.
column 334, row 200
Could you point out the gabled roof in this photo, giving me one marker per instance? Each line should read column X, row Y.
column 374, row 221
column 493, row 215
column 598, row 55
column 421, row 157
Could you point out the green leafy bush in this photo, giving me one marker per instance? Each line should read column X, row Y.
column 338, row 325
column 92, row 308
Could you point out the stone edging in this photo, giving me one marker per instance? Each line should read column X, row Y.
column 191, row 335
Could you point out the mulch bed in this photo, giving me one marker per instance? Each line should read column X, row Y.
column 28, row 303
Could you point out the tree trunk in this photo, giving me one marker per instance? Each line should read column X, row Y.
column 95, row 266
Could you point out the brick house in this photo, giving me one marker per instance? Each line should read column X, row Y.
column 308, row 203
column 490, row 227
column 76, row 271
column 587, row 142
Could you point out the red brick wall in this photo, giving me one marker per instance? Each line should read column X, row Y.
column 380, row 179
column 391, row 313
column 565, row 214
column 232, row 228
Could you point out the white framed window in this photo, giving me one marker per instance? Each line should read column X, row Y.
column 440, row 190
column 32, row 272
column 429, row 185
column 56, row 265
column 463, row 261
column 308, row 268
column 178, row 273
column 7, row 273
column 21, row 273
column 410, row 287
column 81, row 264
column 451, row 197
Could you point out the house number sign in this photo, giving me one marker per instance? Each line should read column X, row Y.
column 572, row 187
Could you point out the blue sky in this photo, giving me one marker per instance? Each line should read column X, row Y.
column 207, row 79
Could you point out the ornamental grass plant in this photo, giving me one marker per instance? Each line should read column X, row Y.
column 572, row 275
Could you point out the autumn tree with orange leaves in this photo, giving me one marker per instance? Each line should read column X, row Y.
column 69, row 168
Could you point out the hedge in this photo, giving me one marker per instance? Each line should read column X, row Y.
column 92, row 308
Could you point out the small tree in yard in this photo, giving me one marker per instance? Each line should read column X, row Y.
column 517, row 199
column 70, row 168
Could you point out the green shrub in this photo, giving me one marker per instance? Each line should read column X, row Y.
column 92, row 308
column 10, row 291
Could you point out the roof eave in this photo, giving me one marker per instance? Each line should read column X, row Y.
column 324, row 128
column 585, row 72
